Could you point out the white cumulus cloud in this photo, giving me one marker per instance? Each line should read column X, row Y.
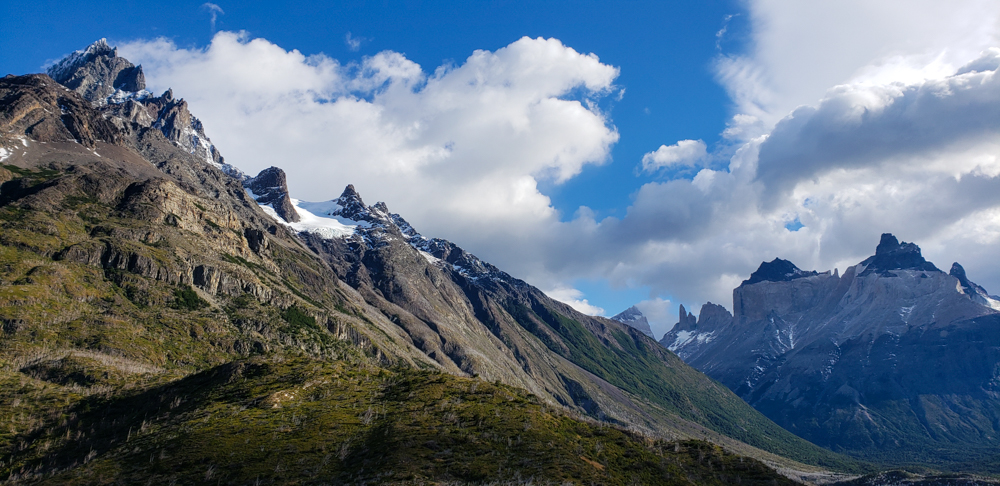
column 682, row 153
column 459, row 150
column 574, row 298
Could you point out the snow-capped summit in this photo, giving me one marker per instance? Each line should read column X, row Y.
column 634, row 318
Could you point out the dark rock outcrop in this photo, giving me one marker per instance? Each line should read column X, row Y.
column 975, row 292
column 776, row 270
column 271, row 189
column 893, row 255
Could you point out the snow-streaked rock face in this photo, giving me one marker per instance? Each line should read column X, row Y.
column 118, row 88
column 633, row 317
column 98, row 73
column 845, row 361
column 691, row 333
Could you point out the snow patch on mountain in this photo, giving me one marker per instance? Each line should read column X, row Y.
column 685, row 338
column 327, row 227
column 327, row 210
column 315, row 218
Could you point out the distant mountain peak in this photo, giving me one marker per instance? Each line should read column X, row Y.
column 777, row 270
column 633, row 317
column 891, row 254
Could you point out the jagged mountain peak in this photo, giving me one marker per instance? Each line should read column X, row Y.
column 777, row 270
column 354, row 208
column 633, row 317
column 97, row 73
column 350, row 194
column 686, row 320
column 691, row 332
column 891, row 254
column 118, row 88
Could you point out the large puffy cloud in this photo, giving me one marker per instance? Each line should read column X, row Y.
column 859, row 126
column 850, row 119
column 798, row 50
column 459, row 151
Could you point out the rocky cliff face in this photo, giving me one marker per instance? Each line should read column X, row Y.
column 877, row 361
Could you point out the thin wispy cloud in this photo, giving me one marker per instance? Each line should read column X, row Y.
column 353, row 43
column 722, row 32
column 214, row 10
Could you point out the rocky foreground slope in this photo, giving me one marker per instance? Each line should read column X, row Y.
column 166, row 317
column 895, row 360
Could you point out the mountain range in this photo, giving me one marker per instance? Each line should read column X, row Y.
column 168, row 318
column 894, row 361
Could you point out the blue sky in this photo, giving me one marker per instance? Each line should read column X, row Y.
column 704, row 138
column 664, row 51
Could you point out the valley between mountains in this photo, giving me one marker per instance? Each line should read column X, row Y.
column 167, row 319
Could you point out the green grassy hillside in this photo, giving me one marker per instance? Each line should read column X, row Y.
column 274, row 420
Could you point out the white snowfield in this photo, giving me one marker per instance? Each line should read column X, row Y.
column 310, row 221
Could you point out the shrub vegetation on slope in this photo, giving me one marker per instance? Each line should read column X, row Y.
column 305, row 421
